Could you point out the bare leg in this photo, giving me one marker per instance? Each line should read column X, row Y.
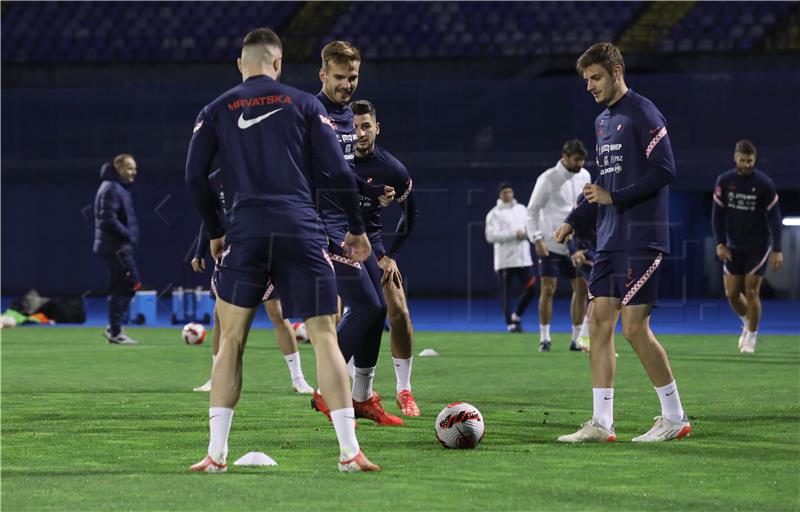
column 546, row 293
column 402, row 332
column 226, row 375
column 284, row 332
column 636, row 329
column 734, row 291
column 215, row 333
column 752, row 285
column 331, row 368
column 603, row 320
column 578, row 305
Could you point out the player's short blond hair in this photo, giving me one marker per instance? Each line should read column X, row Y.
column 340, row 53
column 121, row 158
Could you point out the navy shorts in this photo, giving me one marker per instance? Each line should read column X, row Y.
column 752, row 263
column 557, row 265
column 298, row 265
column 631, row 276
column 269, row 294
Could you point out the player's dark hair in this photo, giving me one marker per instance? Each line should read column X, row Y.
column 262, row 36
column 745, row 147
column 340, row 53
column 502, row 186
column 121, row 158
column 363, row 107
column 605, row 54
column 574, row 147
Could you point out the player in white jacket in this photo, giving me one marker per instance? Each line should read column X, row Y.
column 554, row 195
column 505, row 228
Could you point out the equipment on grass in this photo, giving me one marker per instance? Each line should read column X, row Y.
column 191, row 305
column 459, row 425
column 193, row 333
column 142, row 308
column 300, row 332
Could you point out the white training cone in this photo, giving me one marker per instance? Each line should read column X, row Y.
column 255, row 459
column 428, row 352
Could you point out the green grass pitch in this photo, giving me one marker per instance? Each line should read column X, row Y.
column 88, row 426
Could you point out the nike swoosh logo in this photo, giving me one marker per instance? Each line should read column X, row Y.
column 606, row 398
column 670, row 394
column 247, row 123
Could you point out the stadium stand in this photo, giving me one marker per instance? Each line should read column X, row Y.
column 75, row 32
column 478, row 29
column 718, row 27
column 102, row 32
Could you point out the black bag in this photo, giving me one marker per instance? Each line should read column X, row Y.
column 65, row 310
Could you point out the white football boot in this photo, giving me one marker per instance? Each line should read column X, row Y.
column 748, row 345
column 301, row 386
column 664, row 430
column 590, row 432
column 205, row 388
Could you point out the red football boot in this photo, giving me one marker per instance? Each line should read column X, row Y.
column 318, row 404
column 373, row 410
column 407, row 404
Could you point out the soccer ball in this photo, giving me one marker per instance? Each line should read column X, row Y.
column 459, row 425
column 193, row 333
column 300, row 332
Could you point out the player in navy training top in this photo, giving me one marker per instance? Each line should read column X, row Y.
column 376, row 165
column 746, row 220
column 284, row 333
column 358, row 283
column 635, row 163
column 273, row 143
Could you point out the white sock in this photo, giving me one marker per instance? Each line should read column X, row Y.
column 402, row 369
column 515, row 317
column 671, row 408
column 351, row 367
column 344, row 423
column 293, row 362
column 743, row 318
column 585, row 327
column 751, row 335
column 603, row 400
column 362, row 383
column 219, row 423
column 544, row 332
column 576, row 332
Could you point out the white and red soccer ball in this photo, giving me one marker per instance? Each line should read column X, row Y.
column 300, row 332
column 459, row 425
column 193, row 333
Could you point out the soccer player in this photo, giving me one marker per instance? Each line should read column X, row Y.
column 376, row 165
column 116, row 234
column 505, row 230
column 744, row 214
column 359, row 283
column 274, row 142
column 631, row 194
column 284, row 333
column 555, row 193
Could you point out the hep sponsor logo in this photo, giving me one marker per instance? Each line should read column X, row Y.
column 275, row 99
